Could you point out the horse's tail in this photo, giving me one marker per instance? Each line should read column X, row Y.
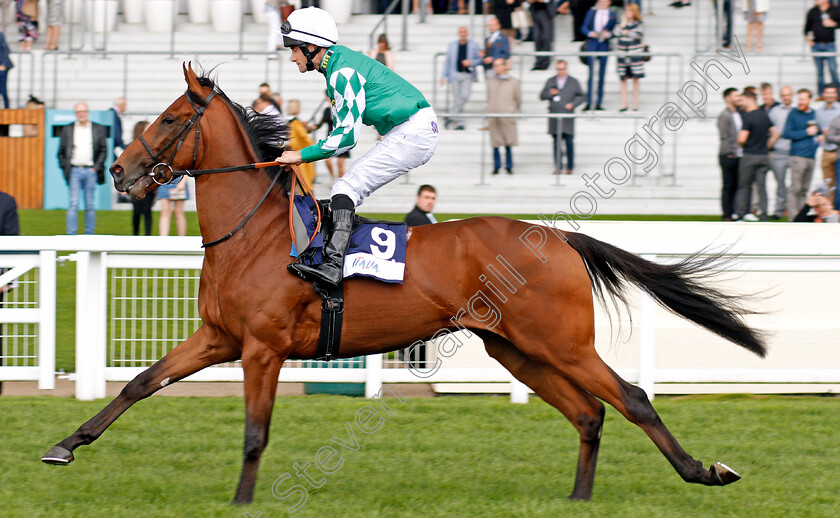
column 676, row 287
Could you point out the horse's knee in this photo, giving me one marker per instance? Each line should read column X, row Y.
column 591, row 424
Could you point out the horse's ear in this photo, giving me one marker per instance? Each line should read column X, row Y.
column 191, row 78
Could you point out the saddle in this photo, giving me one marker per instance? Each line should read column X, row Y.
column 377, row 250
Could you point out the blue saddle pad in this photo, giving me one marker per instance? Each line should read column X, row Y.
column 377, row 248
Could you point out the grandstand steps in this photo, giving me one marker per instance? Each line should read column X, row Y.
column 153, row 81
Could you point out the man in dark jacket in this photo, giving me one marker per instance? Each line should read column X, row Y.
column 81, row 155
column 564, row 94
column 422, row 212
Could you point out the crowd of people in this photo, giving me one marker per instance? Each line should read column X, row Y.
column 781, row 137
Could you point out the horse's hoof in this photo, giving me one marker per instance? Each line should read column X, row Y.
column 58, row 455
column 724, row 474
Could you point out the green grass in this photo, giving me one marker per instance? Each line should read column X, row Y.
column 455, row 456
column 52, row 222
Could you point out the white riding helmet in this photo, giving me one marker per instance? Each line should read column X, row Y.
column 309, row 25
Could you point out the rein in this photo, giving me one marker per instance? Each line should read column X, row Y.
column 159, row 174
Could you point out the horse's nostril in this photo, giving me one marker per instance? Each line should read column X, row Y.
column 116, row 170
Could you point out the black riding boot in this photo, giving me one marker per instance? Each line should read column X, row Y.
column 331, row 268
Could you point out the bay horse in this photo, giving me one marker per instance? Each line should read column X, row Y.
column 254, row 310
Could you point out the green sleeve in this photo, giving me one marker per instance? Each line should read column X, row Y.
column 347, row 89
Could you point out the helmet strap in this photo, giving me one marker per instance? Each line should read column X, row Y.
column 309, row 55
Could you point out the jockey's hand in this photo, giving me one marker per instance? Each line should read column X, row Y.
column 289, row 157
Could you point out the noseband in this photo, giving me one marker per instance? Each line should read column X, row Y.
column 159, row 173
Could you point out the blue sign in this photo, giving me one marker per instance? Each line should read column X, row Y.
column 55, row 187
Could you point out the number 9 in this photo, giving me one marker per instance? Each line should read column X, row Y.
column 387, row 239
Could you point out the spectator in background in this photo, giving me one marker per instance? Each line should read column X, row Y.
column 142, row 209
column 55, row 17
column 833, row 137
column 496, row 46
column 81, row 155
column 578, row 10
column 172, row 197
column 503, row 9
column 820, row 24
column 299, row 138
column 781, row 150
column 598, row 27
column 629, row 36
column 5, row 65
column 275, row 100
column 118, row 110
column 564, row 95
column 504, row 95
column 825, row 115
column 459, row 71
column 729, row 153
column 274, row 17
column 756, row 137
column 802, row 129
column 265, row 105
column 725, row 31
column 382, row 52
column 542, row 17
column 768, row 102
column 27, row 22
column 818, row 207
column 339, row 167
column 423, row 207
column 9, row 225
column 755, row 12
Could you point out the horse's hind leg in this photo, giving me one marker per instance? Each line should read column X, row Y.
column 596, row 377
column 261, row 366
column 584, row 411
column 190, row 356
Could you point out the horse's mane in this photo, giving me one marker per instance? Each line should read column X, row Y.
column 267, row 133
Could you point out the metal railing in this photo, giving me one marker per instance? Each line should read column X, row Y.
column 569, row 56
column 17, row 96
column 636, row 171
column 125, row 56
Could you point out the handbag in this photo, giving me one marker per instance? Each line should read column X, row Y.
column 646, row 49
column 584, row 59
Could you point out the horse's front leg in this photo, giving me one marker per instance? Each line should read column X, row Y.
column 200, row 350
column 261, row 366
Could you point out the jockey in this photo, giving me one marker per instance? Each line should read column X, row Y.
column 361, row 91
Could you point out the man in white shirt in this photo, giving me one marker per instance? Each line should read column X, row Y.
column 81, row 155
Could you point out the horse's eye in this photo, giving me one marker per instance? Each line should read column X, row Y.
column 167, row 120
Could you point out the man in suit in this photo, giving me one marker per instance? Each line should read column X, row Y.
column 81, row 155
column 542, row 15
column 459, row 71
column 423, row 207
column 564, row 94
column 496, row 46
column 598, row 27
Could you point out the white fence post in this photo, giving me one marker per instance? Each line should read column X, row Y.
column 518, row 391
column 647, row 339
column 46, row 321
column 373, row 375
column 91, row 313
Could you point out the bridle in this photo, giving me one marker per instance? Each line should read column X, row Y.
column 160, row 169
